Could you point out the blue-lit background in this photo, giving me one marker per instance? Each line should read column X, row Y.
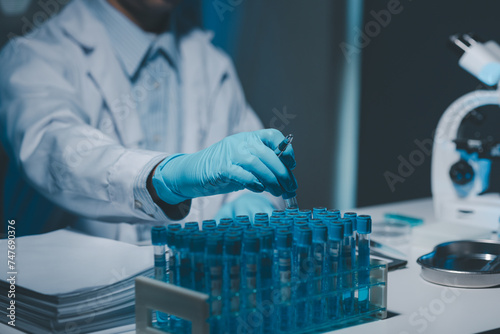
column 353, row 116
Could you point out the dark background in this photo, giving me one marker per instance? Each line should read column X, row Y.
column 410, row 76
column 288, row 56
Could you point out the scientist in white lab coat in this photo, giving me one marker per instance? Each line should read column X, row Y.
column 119, row 112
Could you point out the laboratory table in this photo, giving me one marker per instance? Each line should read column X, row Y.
column 415, row 305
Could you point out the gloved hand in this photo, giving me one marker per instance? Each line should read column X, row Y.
column 244, row 160
column 246, row 204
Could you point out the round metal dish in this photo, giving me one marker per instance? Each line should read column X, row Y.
column 459, row 263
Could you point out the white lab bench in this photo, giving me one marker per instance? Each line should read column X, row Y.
column 415, row 305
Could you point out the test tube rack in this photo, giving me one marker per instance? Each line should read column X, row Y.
column 196, row 307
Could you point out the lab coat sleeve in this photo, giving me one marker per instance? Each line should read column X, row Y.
column 60, row 153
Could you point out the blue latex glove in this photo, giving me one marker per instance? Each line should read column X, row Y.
column 244, row 160
column 247, row 204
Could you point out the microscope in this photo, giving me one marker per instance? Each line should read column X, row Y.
column 464, row 180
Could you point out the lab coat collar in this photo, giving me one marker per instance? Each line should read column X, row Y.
column 81, row 26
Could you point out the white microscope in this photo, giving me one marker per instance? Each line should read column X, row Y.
column 461, row 168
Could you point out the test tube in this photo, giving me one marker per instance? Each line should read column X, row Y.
column 353, row 216
column 159, row 240
column 305, row 275
column 183, row 260
column 334, row 262
column 319, row 254
column 266, row 275
column 290, row 210
column 214, row 260
column 232, row 281
column 348, row 254
column 284, row 240
column 364, row 230
column 251, row 267
column 197, row 251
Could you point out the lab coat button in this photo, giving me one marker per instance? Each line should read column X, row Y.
column 137, row 204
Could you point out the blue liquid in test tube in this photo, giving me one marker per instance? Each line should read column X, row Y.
column 232, row 272
column 348, row 257
column 305, row 275
column 214, row 260
column 334, row 262
column 364, row 230
column 197, row 251
column 250, row 284
column 284, row 321
column 266, row 275
column 319, row 284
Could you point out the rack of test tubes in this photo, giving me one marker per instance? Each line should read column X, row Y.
column 297, row 271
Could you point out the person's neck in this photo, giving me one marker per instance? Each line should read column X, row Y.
column 154, row 22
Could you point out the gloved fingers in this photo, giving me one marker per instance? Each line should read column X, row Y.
column 273, row 163
column 237, row 174
column 254, row 165
column 272, row 138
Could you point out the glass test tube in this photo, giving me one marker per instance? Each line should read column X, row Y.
column 305, row 275
column 319, row 254
column 284, row 241
column 348, row 254
column 364, row 230
column 334, row 262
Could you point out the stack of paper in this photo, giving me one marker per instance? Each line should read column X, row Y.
column 69, row 282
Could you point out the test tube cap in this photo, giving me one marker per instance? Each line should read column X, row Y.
column 197, row 242
column 335, row 230
column 353, row 217
column 306, row 212
column 278, row 213
column 304, row 236
column 251, row 242
column 347, row 222
column 319, row 232
column 266, row 238
column 192, row 224
column 261, row 215
column 364, row 224
column 284, row 239
column 243, row 218
column 335, row 212
column 215, row 243
column 233, row 243
column 159, row 235
column 226, row 220
column 262, row 220
column 208, row 222
column 174, row 226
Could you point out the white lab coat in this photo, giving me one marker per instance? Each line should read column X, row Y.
column 69, row 128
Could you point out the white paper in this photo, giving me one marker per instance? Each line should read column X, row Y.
column 66, row 261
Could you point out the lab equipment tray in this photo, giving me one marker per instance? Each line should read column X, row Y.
column 459, row 264
column 202, row 310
